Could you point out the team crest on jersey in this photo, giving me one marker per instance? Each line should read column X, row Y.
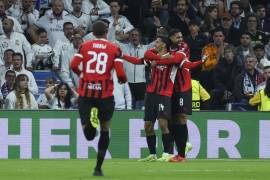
column 17, row 42
column 5, row 45
column 161, row 67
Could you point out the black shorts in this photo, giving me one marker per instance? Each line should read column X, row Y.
column 156, row 107
column 105, row 108
column 182, row 102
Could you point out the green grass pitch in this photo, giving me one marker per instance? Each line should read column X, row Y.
column 120, row 169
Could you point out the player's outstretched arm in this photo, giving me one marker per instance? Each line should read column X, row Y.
column 175, row 59
column 119, row 68
column 133, row 60
column 76, row 60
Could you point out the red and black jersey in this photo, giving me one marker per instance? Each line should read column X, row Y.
column 183, row 76
column 162, row 76
column 99, row 58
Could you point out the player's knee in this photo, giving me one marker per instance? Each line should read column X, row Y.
column 182, row 118
column 163, row 124
column 149, row 128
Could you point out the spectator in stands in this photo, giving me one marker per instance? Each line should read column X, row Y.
column 43, row 52
column 200, row 97
column 264, row 19
column 245, row 48
column 13, row 8
column 260, row 54
column 119, row 25
column 64, row 98
column 262, row 98
column 122, row 95
column 266, row 74
column 231, row 33
column 21, row 97
column 214, row 51
column 224, row 74
column 63, row 45
column 17, row 62
column 66, row 56
column 6, row 64
column 97, row 9
column 236, row 10
column 15, row 41
column 42, row 100
column 16, row 28
column 196, row 41
column 257, row 36
column 52, row 23
column 83, row 21
column 8, row 85
column 156, row 16
column 180, row 18
column 211, row 21
column 135, row 73
column 28, row 16
column 246, row 84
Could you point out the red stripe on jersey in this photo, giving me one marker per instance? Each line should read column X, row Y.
column 98, row 58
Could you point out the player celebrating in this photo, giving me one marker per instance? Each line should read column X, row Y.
column 158, row 96
column 96, row 102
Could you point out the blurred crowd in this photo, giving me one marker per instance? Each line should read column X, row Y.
column 45, row 34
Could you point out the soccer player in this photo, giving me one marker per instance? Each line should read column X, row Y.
column 158, row 97
column 96, row 102
column 182, row 96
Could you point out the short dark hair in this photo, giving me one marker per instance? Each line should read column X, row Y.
column 100, row 28
column 166, row 41
column 173, row 32
column 246, row 33
column 7, row 50
column 118, row 2
column 18, row 54
column 41, row 30
column 218, row 29
column 10, row 71
column 67, row 23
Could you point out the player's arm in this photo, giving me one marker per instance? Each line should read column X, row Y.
column 74, row 65
column 176, row 59
column 133, row 60
column 119, row 68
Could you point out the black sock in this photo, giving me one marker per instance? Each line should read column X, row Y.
column 151, row 142
column 103, row 145
column 171, row 149
column 180, row 136
column 89, row 132
column 166, row 140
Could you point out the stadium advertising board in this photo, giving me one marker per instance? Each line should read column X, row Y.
column 58, row 135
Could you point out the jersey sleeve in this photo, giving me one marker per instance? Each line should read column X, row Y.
column 119, row 68
column 133, row 60
column 176, row 59
column 76, row 60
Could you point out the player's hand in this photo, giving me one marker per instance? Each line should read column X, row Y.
column 153, row 63
column 122, row 80
column 165, row 56
column 204, row 58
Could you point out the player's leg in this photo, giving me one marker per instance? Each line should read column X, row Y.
column 85, row 105
column 149, row 121
column 180, row 125
column 164, row 115
column 103, row 145
column 106, row 109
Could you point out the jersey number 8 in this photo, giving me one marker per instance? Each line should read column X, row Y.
column 101, row 61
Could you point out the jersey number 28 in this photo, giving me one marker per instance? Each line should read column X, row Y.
column 101, row 61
